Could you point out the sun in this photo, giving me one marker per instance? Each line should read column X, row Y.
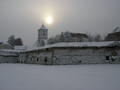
column 49, row 20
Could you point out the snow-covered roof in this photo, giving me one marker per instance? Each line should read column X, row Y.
column 117, row 29
column 20, row 47
column 74, row 44
column 8, row 52
column 5, row 46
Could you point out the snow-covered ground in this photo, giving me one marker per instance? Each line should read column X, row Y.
column 75, row 77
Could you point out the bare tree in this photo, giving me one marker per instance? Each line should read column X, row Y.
column 90, row 37
column 15, row 41
column 18, row 42
column 97, row 38
column 94, row 38
column 11, row 40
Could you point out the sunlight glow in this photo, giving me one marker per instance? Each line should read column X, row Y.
column 49, row 20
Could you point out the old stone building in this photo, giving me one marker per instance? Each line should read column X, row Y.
column 74, row 37
column 5, row 46
column 9, row 56
column 68, row 37
column 64, row 53
column 114, row 36
column 72, row 54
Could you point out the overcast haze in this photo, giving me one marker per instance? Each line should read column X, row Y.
column 24, row 17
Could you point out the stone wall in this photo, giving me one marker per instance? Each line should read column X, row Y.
column 8, row 59
column 8, row 56
column 72, row 56
column 44, row 57
column 85, row 56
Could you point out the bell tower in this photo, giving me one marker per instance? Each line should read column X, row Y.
column 42, row 36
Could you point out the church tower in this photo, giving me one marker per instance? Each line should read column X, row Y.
column 42, row 36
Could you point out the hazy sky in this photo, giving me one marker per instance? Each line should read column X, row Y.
column 24, row 17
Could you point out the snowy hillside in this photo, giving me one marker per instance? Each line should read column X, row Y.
column 79, row 77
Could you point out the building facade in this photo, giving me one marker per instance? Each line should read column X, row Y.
column 9, row 56
column 65, row 53
column 114, row 36
column 42, row 36
column 73, row 54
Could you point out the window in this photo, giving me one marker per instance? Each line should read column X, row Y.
column 44, row 33
column 37, row 59
column 107, row 57
column 31, row 59
column 45, row 59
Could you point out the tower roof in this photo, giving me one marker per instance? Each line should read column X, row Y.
column 43, row 27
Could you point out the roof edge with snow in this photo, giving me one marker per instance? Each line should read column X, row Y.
column 77, row 45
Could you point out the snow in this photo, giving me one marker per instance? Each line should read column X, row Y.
column 71, row 77
column 20, row 48
column 117, row 29
column 75, row 44
column 6, row 52
column 83, row 44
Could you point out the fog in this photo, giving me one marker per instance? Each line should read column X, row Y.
column 23, row 18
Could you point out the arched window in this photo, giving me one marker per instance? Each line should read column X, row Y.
column 107, row 57
column 37, row 59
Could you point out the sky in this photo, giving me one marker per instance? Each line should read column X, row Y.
column 23, row 18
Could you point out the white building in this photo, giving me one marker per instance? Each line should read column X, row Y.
column 42, row 36
column 66, row 53
column 73, row 53
column 9, row 56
